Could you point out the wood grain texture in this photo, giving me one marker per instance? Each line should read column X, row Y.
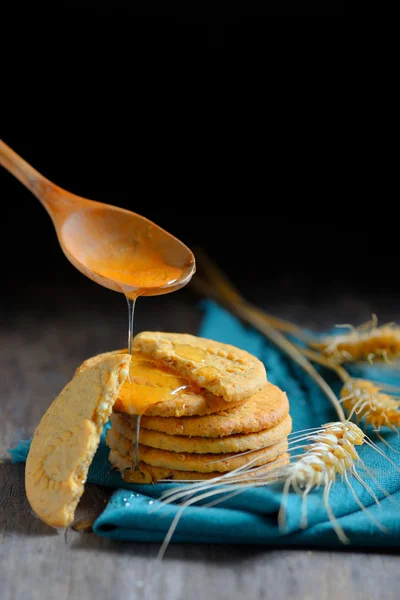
column 41, row 345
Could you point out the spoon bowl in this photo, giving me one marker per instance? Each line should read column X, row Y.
column 114, row 247
column 124, row 251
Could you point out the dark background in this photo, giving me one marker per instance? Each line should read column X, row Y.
column 276, row 214
column 277, row 210
column 280, row 220
column 230, row 135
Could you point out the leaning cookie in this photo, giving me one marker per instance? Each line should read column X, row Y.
column 67, row 438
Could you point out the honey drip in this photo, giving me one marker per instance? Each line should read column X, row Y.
column 137, row 432
column 131, row 317
column 139, row 270
column 83, row 526
column 190, row 352
column 150, row 383
column 137, row 476
column 209, row 373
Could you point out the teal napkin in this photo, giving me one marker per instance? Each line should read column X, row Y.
column 134, row 513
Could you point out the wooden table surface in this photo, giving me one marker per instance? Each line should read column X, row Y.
column 43, row 338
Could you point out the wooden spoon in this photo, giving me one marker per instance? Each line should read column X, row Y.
column 117, row 248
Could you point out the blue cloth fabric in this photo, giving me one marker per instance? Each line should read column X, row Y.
column 134, row 513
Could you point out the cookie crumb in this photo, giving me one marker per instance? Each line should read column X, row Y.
column 83, row 526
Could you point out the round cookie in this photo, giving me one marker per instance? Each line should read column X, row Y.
column 189, row 405
column 67, row 438
column 202, row 445
column 264, row 410
column 202, row 463
column 123, row 463
column 184, row 405
column 93, row 360
column 222, row 369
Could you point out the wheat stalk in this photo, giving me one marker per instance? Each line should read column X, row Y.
column 369, row 401
column 223, row 291
column 366, row 342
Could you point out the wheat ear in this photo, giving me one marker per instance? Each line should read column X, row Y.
column 366, row 342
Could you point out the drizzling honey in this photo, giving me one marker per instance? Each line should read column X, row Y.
column 136, row 444
column 141, row 271
column 190, row 352
column 83, row 526
column 205, row 374
column 131, row 318
column 208, row 373
column 137, row 476
column 149, row 383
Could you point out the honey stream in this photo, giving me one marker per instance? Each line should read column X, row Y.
column 140, row 271
column 131, row 318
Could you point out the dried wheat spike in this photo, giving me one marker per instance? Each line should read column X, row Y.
column 367, row 342
column 332, row 452
column 371, row 402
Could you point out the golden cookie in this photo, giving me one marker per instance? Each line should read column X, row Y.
column 93, row 360
column 124, row 463
column 221, row 369
column 201, row 445
column 202, row 463
column 186, row 404
column 264, row 410
column 67, row 437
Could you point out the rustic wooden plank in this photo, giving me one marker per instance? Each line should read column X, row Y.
column 40, row 348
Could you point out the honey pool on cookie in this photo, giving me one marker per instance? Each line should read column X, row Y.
column 150, row 383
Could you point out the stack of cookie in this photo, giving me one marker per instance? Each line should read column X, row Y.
column 230, row 417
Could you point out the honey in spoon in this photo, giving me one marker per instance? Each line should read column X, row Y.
column 136, row 267
column 139, row 270
column 114, row 247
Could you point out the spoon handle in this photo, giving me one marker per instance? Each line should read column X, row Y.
column 18, row 167
column 56, row 201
